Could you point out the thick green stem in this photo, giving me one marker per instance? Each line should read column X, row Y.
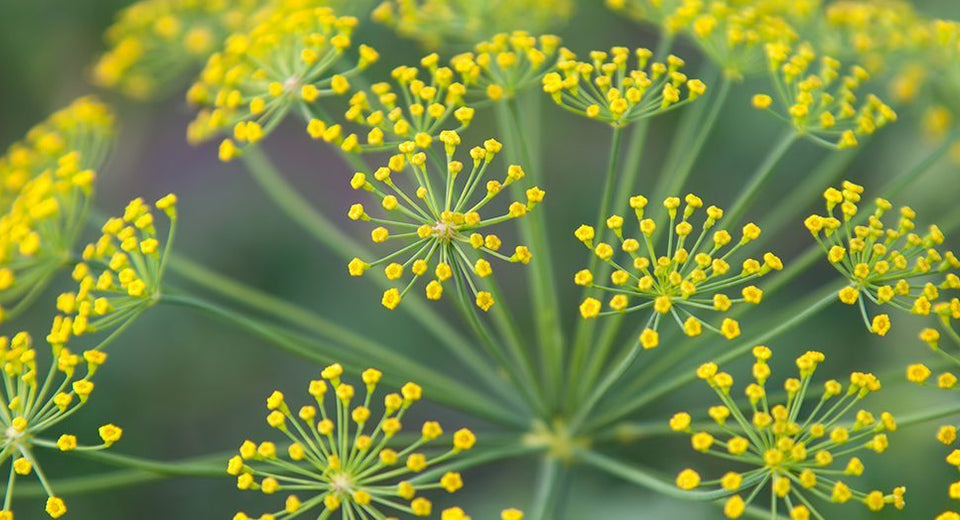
column 301, row 212
column 440, row 388
column 548, row 483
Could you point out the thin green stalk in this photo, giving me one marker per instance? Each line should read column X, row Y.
column 548, row 481
column 206, row 466
column 898, row 183
column 673, row 179
column 584, row 328
column 642, row 477
column 301, row 212
column 441, row 388
column 928, row 416
column 533, row 230
column 766, row 168
column 278, row 308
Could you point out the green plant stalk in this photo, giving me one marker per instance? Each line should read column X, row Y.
column 442, row 389
column 278, row 308
column 301, row 212
column 898, row 183
column 546, row 496
column 796, row 315
column 686, row 153
column 762, row 173
column 585, row 328
column 928, row 416
column 533, row 230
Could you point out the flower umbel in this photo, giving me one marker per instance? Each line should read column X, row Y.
column 29, row 407
column 282, row 64
column 506, row 65
column 685, row 279
column 608, row 89
column 822, row 106
column 344, row 468
column 120, row 276
column 797, row 454
column 441, row 225
column 887, row 265
column 46, row 183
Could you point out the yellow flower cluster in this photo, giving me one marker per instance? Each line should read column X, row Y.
column 686, row 279
column 354, row 470
column 608, row 89
column 417, row 106
column 441, row 225
column 822, row 106
column 871, row 32
column 506, row 64
column 31, row 404
column 153, row 44
column 439, row 22
column 888, row 265
column 46, row 183
column 120, row 276
column 794, row 451
column 284, row 63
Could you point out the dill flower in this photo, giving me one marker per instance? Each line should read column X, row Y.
column 284, row 63
column 822, row 106
column 798, row 454
column 891, row 266
column 153, row 44
column 439, row 22
column 440, row 225
column 46, row 183
column 506, row 64
column 682, row 281
column 669, row 15
column 607, row 89
column 32, row 405
column 120, row 275
column 872, row 33
column 350, row 470
column 416, row 106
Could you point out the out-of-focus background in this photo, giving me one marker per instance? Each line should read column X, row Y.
column 183, row 385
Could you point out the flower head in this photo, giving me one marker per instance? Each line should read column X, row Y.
column 506, row 64
column 822, row 106
column 690, row 276
column 284, row 63
column 345, row 459
column 609, row 89
column 440, row 224
column 888, row 265
column 439, row 22
column 46, row 183
column 799, row 452
column 419, row 104
column 871, row 33
column 153, row 44
column 121, row 273
column 32, row 405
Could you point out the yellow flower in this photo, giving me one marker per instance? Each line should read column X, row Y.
column 46, row 185
column 441, row 224
column 438, row 22
column 823, row 106
column 683, row 280
column 283, row 63
column 887, row 263
column 789, row 446
column 345, row 463
column 607, row 87
column 505, row 65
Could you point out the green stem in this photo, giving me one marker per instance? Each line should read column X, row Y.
column 533, row 230
column 310, row 321
column 584, row 328
column 645, row 478
column 206, row 466
column 749, row 192
column 548, row 482
column 902, row 181
column 441, row 388
column 686, row 153
column 300, row 211
column 931, row 415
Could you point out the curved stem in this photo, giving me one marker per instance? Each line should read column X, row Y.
column 748, row 193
